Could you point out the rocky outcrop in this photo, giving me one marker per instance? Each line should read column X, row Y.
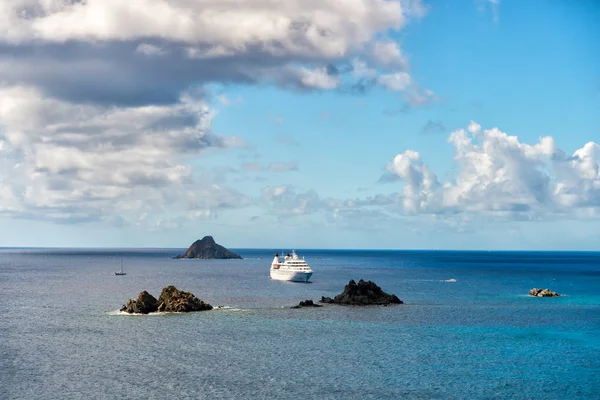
column 306, row 303
column 535, row 292
column 170, row 300
column 173, row 300
column 362, row 294
column 207, row 249
column 144, row 304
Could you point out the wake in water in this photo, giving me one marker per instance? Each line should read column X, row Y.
column 450, row 280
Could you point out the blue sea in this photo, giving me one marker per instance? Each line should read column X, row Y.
column 467, row 330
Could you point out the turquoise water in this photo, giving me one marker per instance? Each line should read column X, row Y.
column 480, row 337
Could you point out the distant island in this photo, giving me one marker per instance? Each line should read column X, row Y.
column 207, row 249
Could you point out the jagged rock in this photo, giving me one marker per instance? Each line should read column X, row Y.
column 362, row 294
column 170, row 300
column 173, row 300
column 535, row 292
column 207, row 249
column 306, row 303
column 144, row 304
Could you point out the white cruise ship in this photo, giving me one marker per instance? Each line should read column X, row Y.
column 291, row 269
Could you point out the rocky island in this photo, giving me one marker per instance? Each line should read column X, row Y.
column 207, row 249
column 535, row 292
column 170, row 300
column 363, row 294
column 306, row 303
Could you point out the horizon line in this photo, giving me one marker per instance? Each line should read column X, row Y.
column 297, row 248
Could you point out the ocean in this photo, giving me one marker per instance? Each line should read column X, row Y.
column 468, row 328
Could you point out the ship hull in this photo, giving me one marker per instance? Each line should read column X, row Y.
column 282, row 274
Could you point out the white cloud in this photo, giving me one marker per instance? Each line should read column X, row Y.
column 318, row 78
column 292, row 26
column 360, row 69
column 70, row 162
column 474, row 128
column 150, row 50
column 103, row 108
column 397, row 81
column 498, row 175
column 285, row 201
column 388, row 54
column 266, row 41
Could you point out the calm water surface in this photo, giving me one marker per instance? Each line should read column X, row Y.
column 480, row 337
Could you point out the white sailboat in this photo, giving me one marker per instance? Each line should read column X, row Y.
column 121, row 271
column 291, row 269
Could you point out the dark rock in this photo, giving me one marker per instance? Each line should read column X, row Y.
column 170, row 300
column 363, row 294
column 207, row 249
column 144, row 304
column 535, row 292
column 306, row 303
column 173, row 300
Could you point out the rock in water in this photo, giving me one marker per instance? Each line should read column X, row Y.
column 207, row 249
column 173, row 300
column 363, row 294
column 535, row 292
column 144, row 304
column 306, row 303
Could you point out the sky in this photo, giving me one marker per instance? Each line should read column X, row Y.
column 344, row 124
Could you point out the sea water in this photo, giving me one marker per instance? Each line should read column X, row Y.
column 467, row 329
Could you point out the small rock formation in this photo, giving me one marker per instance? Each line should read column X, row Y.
column 306, row 303
column 170, row 300
column 535, row 292
column 207, row 249
column 144, row 304
column 173, row 300
column 362, row 294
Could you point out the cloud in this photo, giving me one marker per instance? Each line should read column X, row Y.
column 285, row 201
column 396, row 82
column 273, row 167
column 72, row 163
column 371, row 212
column 414, row 96
column 150, row 50
column 104, row 105
column 319, row 78
column 498, row 175
column 432, row 127
column 112, row 52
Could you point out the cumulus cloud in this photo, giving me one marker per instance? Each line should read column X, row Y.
column 70, row 162
column 114, row 51
column 499, row 175
column 103, row 103
column 319, row 78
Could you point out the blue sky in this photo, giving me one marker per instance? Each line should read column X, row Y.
column 376, row 124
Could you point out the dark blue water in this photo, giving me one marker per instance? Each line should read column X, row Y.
column 480, row 337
